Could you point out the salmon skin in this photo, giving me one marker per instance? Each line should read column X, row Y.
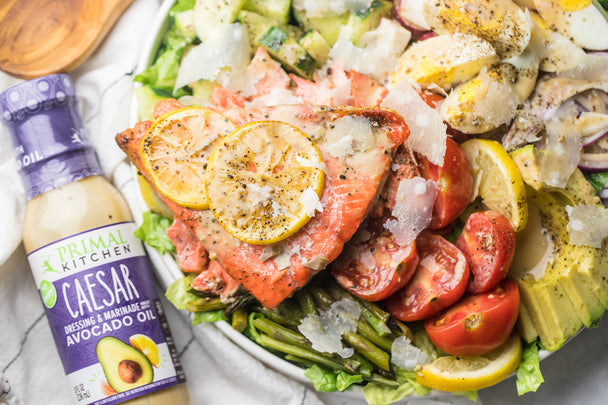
column 355, row 175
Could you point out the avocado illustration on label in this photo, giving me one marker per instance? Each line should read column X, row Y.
column 124, row 366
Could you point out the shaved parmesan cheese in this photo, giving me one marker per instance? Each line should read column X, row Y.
column 563, row 153
column 427, row 130
column 407, row 356
column 325, row 331
column 588, row 225
column 276, row 96
column 283, row 260
column 310, row 202
column 341, row 148
column 223, row 57
column 309, row 163
column 378, row 52
column 325, row 8
column 413, row 209
column 349, row 135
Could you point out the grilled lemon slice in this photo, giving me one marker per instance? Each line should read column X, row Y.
column 263, row 181
column 176, row 149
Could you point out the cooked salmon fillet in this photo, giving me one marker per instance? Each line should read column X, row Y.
column 353, row 182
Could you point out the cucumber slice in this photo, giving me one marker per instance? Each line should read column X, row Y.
column 210, row 16
column 358, row 24
column 316, row 46
column 284, row 48
column 277, row 10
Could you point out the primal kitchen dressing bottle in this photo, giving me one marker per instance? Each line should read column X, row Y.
column 92, row 273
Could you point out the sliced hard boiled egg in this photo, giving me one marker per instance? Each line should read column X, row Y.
column 445, row 60
column 491, row 99
column 556, row 52
column 582, row 21
column 501, row 22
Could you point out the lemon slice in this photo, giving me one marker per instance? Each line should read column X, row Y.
column 501, row 186
column 147, row 346
column 264, row 181
column 469, row 373
column 176, row 149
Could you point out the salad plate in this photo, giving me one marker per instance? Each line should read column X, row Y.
column 166, row 267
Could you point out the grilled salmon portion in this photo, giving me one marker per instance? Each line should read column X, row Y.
column 356, row 145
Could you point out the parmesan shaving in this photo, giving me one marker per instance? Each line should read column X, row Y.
column 378, row 52
column 588, row 225
column 310, row 202
column 325, row 331
column 427, row 135
column 563, row 153
column 276, row 96
column 407, row 356
column 223, row 57
column 349, row 135
column 309, row 163
column 413, row 209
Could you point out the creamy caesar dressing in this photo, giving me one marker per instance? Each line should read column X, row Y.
column 74, row 208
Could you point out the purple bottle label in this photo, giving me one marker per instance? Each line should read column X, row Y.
column 51, row 148
column 105, row 315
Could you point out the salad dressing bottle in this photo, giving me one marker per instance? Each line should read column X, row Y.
column 92, row 273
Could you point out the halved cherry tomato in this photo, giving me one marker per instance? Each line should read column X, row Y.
column 375, row 268
column 478, row 323
column 431, row 98
column 439, row 281
column 488, row 243
column 455, row 183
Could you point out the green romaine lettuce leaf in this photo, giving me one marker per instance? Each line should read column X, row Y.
column 153, row 232
column 179, row 293
column 209, row 316
column 529, row 377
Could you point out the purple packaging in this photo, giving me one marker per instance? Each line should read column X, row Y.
column 96, row 285
column 49, row 140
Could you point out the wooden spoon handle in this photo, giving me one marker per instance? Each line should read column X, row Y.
column 40, row 37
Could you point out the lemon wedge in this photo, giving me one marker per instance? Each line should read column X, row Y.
column 500, row 184
column 264, row 181
column 175, row 151
column 147, row 346
column 469, row 373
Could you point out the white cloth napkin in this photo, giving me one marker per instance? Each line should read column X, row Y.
column 218, row 371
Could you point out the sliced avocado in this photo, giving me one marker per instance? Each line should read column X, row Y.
column 525, row 324
column 146, row 100
column 571, row 288
column 288, row 51
column 124, row 366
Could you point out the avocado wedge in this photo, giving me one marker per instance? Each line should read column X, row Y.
column 565, row 286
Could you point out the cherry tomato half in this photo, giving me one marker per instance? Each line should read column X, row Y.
column 488, row 243
column 376, row 268
column 439, row 281
column 478, row 323
column 455, row 183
